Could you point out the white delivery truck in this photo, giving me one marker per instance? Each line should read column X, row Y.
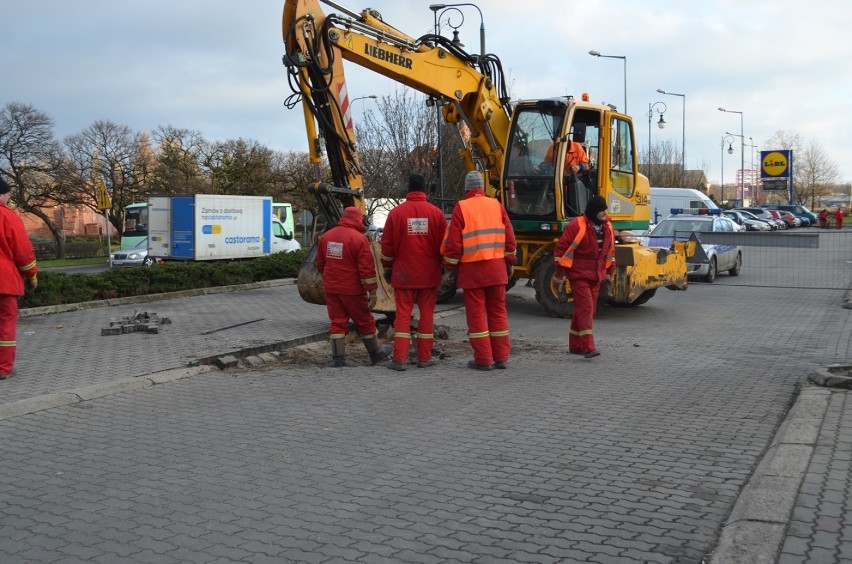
column 664, row 199
column 215, row 227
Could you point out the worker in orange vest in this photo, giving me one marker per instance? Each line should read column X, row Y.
column 585, row 254
column 480, row 247
column 838, row 217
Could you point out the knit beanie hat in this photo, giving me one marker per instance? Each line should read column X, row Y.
column 4, row 187
column 473, row 180
column 596, row 205
column 416, row 183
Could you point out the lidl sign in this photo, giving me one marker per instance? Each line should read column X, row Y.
column 775, row 164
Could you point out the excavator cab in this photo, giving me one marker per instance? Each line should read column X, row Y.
column 537, row 184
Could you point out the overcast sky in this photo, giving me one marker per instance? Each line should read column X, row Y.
column 215, row 66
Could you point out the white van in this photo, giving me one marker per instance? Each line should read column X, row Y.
column 664, row 199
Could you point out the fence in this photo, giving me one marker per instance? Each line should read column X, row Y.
column 809, row 259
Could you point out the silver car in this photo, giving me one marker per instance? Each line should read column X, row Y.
column 720, row 257
column 137, row 256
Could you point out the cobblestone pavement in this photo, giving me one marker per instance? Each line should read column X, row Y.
column 636, row 456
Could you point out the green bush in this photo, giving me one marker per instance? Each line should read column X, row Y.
column 56, row 288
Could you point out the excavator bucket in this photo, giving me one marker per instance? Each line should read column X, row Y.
column 309, row 279
column 309, row 282
column 384, row 295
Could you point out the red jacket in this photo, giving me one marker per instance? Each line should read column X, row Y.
column 589, row 263
column 17, row 260
column 483, row 273
column 411, row 243
column 345, row 260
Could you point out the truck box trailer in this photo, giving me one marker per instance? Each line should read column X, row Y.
column 215, row 227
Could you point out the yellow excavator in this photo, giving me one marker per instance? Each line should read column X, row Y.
column 520, row 148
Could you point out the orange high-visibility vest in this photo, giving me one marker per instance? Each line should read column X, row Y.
column 609, row 248
column 484, row 235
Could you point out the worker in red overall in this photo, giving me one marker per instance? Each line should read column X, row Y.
column 349, row 282
column 585, row 254
column 411, row 256
column 17, row 265
column 838, row 217
column 480, row 248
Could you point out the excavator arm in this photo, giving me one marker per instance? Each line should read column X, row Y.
column 316, row 45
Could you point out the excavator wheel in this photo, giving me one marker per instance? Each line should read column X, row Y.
column 548, row 295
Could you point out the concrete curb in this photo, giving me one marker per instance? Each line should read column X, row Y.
column 62, row 308
column 755, row 529
column 60, row 399
column 823, row 376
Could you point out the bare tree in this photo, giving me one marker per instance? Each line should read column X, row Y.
column 295, row 178
column 814, row 174
column 179, row 153
column 114, row 153
column 34, row 163
column 400, row 139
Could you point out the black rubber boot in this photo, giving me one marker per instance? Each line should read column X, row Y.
column 338, row 353
column 377, row 353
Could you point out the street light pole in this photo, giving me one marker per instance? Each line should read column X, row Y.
column 683, row 137
column 594, row 53
column 727, row 137
column 438, row 10
column 442, row 8
column 742, row 144
column 661, row 124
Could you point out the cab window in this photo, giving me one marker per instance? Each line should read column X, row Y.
column 622, row 165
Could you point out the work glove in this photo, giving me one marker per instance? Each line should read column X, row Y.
column 387, row 274
column 373, row 299
column 32, row 282
column 510, row 270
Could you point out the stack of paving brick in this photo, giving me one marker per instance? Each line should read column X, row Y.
column 140, row 323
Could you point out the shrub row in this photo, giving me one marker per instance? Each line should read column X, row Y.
column 56, row 288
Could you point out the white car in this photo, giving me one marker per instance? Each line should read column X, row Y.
column 719, row 257
column 137, row 256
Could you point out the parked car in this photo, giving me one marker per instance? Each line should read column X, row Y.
column 137, row 256
column 777, row 216
column 764, row 214
column 719, row 257
column 807, row 216
column 790, row 219
column 747, row 220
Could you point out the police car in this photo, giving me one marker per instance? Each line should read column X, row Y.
column 682, row 223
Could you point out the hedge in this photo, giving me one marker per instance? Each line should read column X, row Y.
column 56, row 288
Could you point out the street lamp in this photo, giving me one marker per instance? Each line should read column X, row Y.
column 438, row 11
column 661, row 124
column 594, row 53
column 352, row 103
column 742, row 144
column 727, row 138
column 683, row 136
column 436, row 8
